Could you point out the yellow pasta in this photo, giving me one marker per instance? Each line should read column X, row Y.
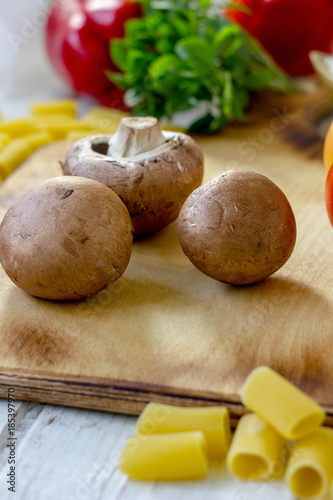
column 4, row 140
column 165, row 456
column 310, row 469
column 291, row 412
column 12, row 156
column 60, row 107
column 105, row 112
column 256, row 450
column 331, row 490
column 36, row 140
column 103, row 119
column 19, row 127
column 214, row 422
column 58, row 126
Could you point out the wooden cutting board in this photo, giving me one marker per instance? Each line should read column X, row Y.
column 166, row 332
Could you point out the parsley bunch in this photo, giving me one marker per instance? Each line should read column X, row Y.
column 183, row 53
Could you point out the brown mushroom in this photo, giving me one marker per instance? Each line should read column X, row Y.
column 66, row 238
column 153, row 172
column 237, row 228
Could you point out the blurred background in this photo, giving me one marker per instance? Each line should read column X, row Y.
column 287, row 29
column 25, row 71
column 79, row 35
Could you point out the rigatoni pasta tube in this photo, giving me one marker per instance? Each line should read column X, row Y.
column 36, row 140
column 4, row 140
column 60, row 107
column 12, row 156
column 165, row 456
column 256, row 449
column 58, row 126
column 19, row 127
column 291, row 412
column 310, row 469
column 103, row 119
column 214, row 422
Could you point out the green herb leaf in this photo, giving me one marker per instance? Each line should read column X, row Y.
column 197, row 53
column 183, row 54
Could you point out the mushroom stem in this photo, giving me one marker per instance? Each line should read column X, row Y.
column 135, row 135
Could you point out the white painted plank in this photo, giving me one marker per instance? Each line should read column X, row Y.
column 25, row 414
column 4, row 413
column 219, row 485
column 60, row 454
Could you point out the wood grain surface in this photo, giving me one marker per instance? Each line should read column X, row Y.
column 166, row 332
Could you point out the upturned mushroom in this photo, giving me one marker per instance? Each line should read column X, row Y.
column 153, row 172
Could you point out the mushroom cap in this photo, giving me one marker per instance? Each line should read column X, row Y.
column 237, row 228
column 66, row 238
column 153, row 185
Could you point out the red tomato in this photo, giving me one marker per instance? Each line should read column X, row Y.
column 288, row 29
column 78, row 34
column 329, row 194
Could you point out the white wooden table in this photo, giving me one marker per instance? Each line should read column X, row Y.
column 64, row 453
column 72, row 454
